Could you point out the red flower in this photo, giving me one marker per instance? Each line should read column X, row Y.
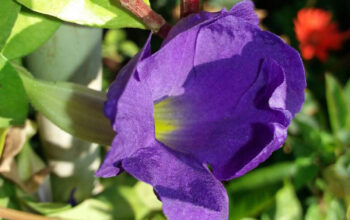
column 317, row 34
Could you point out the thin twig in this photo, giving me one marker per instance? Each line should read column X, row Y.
column 189, row 7
column 150, row 18
column 12, row 214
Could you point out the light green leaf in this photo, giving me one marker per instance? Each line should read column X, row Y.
column 335, row 210
column 3, row 133
column 74, row 108
column 13, row 102
column 118, row 201
column 314, row 212
column 337, row 107
column 5, row 122
column 97, row 13
column 47, row 208
column 31, row 30
column 288, row 206
column 28, row 162
column 8, row 14
column 141, row 198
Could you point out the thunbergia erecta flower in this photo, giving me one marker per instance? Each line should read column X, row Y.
column 219, row 92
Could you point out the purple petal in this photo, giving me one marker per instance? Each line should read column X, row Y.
column 229, row 37
column 234, row 102
column 167, row 70
column 223, row 121
column 130, row 109
column 186, row 188
column 245, row 10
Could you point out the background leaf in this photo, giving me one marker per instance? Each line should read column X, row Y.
column 337, row 107
column 97, row 13
column 3, row 133
column 13, row 102
column 288, row 206
column 8, row 14
column 74, row 108
column 31, row 30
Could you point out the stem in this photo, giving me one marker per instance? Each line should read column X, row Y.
column 12, row 214
column 189, row 7
column 155, row 22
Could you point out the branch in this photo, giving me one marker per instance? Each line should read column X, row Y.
column 150, row 18
column 189, row 7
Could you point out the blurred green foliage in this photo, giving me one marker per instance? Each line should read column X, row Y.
column 308, row 178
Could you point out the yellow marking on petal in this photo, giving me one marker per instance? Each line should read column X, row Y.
column 163, row 122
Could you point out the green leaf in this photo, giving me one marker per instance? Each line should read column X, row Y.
column 288, row 206
column 97, row 13
column 118, row 201
column 249, row 203
column 263, row 176
column 8, row 196
column 5, row 122
column 31, row 30
column 337, row 106
column 8, row 14
column 141, row 198
column 314, row 212
column 13, row 102
column 223, row 3
column 3, row 133
column 347, row 94
column 335, row 210
column 74, row 108
column 47, row 208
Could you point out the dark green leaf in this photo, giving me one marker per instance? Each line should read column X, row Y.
column 337, row 107
column 263, row 176
column 13, row 102
column 249, row 203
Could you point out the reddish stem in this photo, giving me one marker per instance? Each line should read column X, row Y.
column 189, row 7
column 150, row 18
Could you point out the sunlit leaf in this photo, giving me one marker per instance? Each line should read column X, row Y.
column 141, row 198
column 47, row 208
column 13, row 102
column 288, row 206
column 8, row 14
column 314, row 212
column 3, row 133
column 74, row 108
column 31, row 30
column 97, row 13
column 335, row 210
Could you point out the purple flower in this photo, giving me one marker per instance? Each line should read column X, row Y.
column 220, row 91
